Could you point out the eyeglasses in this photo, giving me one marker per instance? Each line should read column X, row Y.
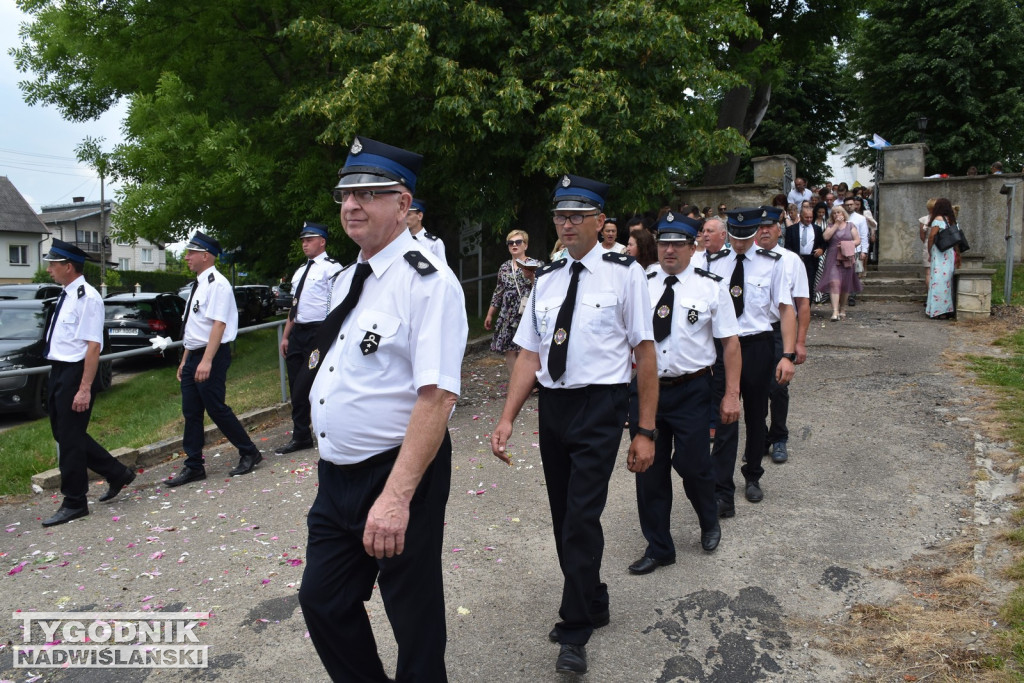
column 575, row 218
column 721, row 208
column 364, row 197
column 514, row 243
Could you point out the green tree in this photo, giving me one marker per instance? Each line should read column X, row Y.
column 240, row 113
column 958, row 63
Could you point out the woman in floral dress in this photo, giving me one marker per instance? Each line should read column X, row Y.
column 940, row 271
column 510, row 296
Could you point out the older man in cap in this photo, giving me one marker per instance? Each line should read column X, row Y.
column 210, row 324
column 311, row 287
column 383, row 377
column 690, row 310
column 427, row 240
column 585, row 315
column 755, row 281
column 74, row 339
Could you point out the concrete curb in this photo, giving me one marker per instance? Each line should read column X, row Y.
column 163, row 451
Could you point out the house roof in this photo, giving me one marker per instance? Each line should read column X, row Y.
column 15, row 213
column 65, row 213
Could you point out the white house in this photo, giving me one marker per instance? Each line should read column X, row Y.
column 23, row 236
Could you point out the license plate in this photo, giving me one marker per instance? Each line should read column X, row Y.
column 123, row 331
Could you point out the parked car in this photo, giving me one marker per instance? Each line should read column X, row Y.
column 283, row 296
column 23, row 324
column 132, row 320
column 32, row 290
column 266, row 297
column 250, row 308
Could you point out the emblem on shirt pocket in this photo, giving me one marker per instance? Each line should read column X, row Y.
column 691, row 317
column 195, row 309
column 370, row 343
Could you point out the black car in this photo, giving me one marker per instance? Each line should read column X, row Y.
column 283, row 296
column 250, row 307
column 133, row 319
column 23, row 324
column 266, row 297
column 31, row 290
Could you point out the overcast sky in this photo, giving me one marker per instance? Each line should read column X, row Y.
column 37, row 146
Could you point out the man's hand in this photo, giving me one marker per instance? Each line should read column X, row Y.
column 784, row 371
column 386, row 522
column 729, row 411
column 203, row 370
column 499, row 437
column 641, row 454
column 284, row 347
column 801, row 353
column 80, row 403
column 817, row 253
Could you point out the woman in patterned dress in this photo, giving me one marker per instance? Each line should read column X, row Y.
column 510, row 296
column 940, row 271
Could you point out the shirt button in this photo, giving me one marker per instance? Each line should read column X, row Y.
column 330, row 369
column 321, row 401
column 374, row 327
column 323, row 435
column 341, row 337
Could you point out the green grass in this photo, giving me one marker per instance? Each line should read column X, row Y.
column 999, row 282
column 143, row 410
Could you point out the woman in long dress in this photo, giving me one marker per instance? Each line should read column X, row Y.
column 942, row 263
column 839, row 278
column 510, row 295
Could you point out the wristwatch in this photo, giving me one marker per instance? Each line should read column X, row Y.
column 790, row 356
column 651, row 434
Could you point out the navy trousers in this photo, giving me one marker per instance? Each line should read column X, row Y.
column 339, row 574
column 580, row 433
column 779, row 397
column 208, row 397
column 300, row 344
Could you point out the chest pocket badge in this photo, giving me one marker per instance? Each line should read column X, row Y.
column 370, row 343
column 195, row 308
column 692, row 317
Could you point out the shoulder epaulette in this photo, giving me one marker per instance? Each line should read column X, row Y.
column 211, row 278
column 771, row 254
column 554, row 265
column 329, row 259
column 335, row 276
column 621, row 259
column 422, row 265
column 651, row 274
column 430, row 237
column 81, row 291
column 704, row 273
column 719, row 254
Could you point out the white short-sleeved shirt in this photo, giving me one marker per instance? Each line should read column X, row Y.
column 213, row 301
column 612, row 317
column 861, row 224
column 795, row 275
column 408, row 331
column 433, row 243
column 763, row 286
column 316, row 290
column 702, row 312
column 80, row 322
column 799, row 198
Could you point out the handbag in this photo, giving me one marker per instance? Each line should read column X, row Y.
column 949, row 237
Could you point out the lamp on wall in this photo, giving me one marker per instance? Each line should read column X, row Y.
column 922, row 126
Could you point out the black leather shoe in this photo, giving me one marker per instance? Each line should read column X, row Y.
column 114, row 489
column 754, row 493
column 66, row 515
column 293, row 446
column 646, row 565
column 246, row 464
column 779, row 452
column 726, row 509
column 710, row 539
column 572, row 659
column 185, row 475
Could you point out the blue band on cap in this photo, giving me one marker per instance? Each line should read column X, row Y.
column 77, row 258
column 367, row 160
column 576, row 191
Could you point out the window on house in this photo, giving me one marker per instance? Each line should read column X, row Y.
column 123, row 264
column 19, row 254
column 147, row 255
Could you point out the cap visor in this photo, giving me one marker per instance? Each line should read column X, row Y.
column 573, row 205
column 357, row 180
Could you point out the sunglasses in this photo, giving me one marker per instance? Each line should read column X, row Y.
column 514, row 243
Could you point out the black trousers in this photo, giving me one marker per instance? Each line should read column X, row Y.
column 580, row 432
column 300, row 345
column 755, row 381
column 339, row 575
column 778, row 396
column 811, row 264
column 77, row 452
column 682, row 446
column 208, row 397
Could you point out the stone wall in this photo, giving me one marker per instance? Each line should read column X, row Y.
column 772, row 175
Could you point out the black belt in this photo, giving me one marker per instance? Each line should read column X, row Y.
column 379, row 459
column 64, row 363
column 777, row 326
column 309, row 326
column 682, row 379
column 580, row 391
column 750, row 338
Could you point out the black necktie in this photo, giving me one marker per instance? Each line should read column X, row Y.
column 298, row 291
column 663, row 311
column 188, row 307
column 53, row 322
column 328, row 332
column 563, row 326
column 736, row 285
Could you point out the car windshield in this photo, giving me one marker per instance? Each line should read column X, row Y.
column 22, row 323
column 18, row 292
column 134, row 310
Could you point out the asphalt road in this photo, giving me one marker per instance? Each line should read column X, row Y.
column 881, row 452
